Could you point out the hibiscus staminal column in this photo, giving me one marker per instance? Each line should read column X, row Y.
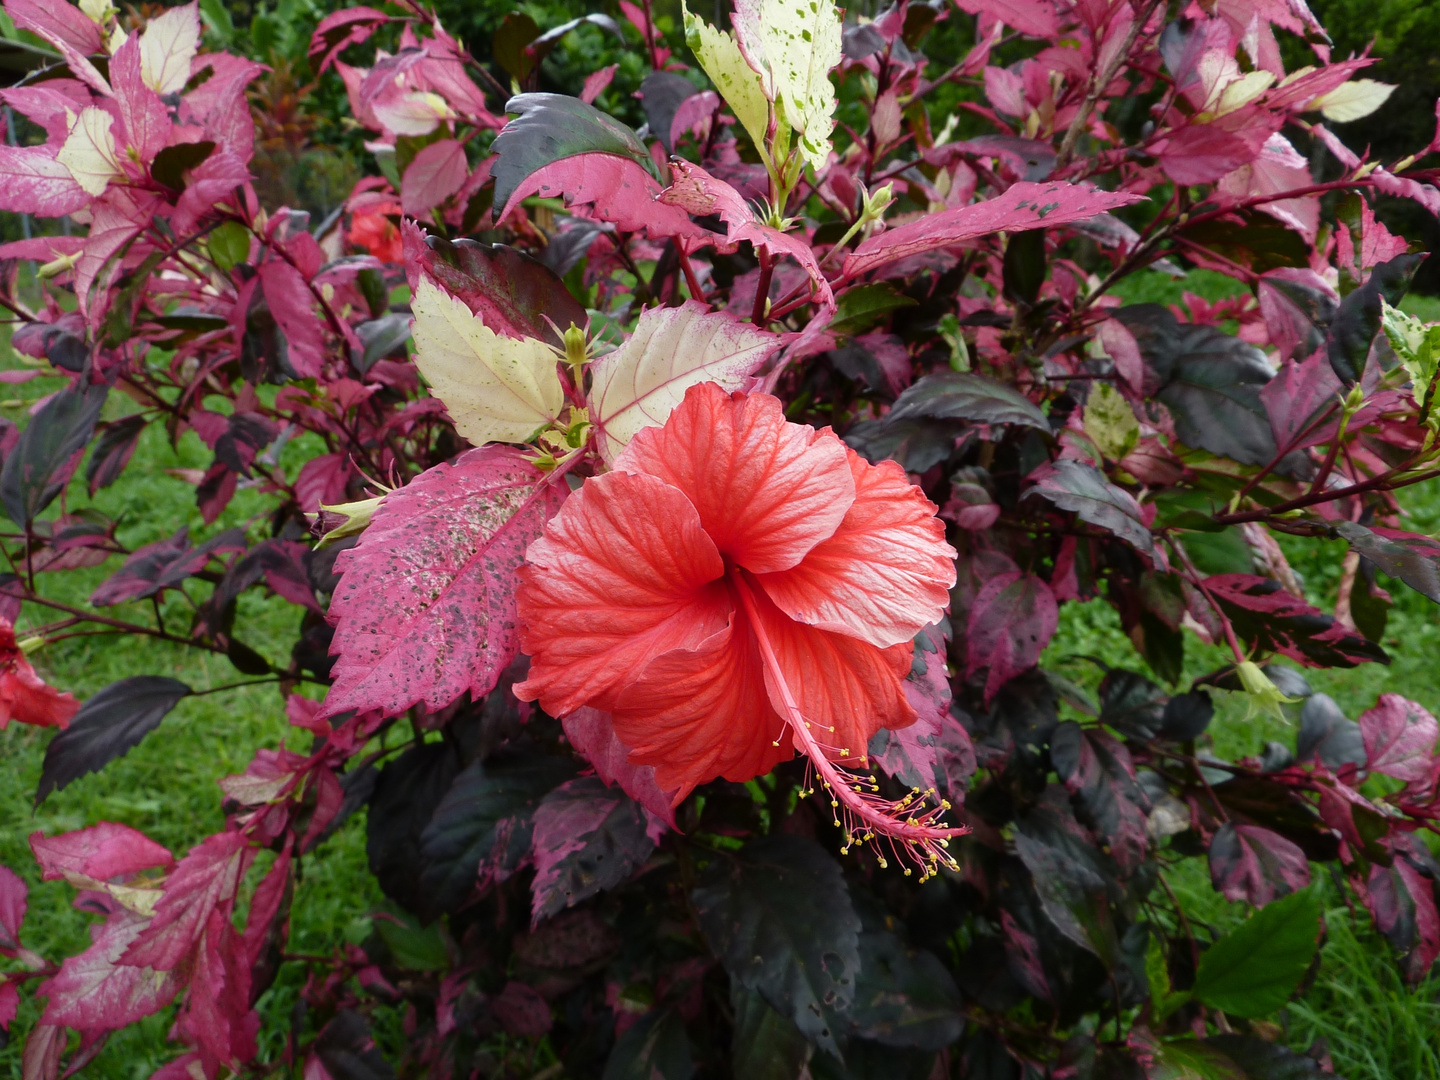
column 737, row 588
column 909, row 826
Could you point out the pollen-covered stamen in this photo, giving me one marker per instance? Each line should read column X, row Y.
column 910, row 827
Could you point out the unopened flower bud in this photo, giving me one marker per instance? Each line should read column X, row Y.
column 344, row 519
column 576, row 348
column 30, row 644
column 877, row 202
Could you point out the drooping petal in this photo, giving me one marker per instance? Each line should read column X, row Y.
column 703, row 712
column 767, row 491
column 621, row 575
column 886, row 572
column 848, row 689
column 27, row 698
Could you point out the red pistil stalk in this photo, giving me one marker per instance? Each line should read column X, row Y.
column 908, row 827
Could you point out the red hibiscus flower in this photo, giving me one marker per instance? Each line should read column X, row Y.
column 376, row 233
column 739, row 586
column 24, row 696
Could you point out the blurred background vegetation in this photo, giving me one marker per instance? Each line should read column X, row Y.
column 309, row 156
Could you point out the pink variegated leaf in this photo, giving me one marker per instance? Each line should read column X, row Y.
column 120, row 216
column 43, row 1049
column 1277, row 169
column 1024, row 206
column 592, row 733
column 102, row 852
column 56, row 21
column 204, row 881
column 41, row 249
column 1399, row 738
column 96, row 991
column 610, row 188
column 1268, row 619
column 13, row 894
column 1011, row 622
column 1256, row 865
column 213, row 182
column 437, row 172
column 32, row 181
column 53, row 105
column 288, row 297
column 1200, row 153
column 1297, row 396
column 216, row 1018
column 144, row 116
column 425, row 608
column 1402, row 903
column 697, row 192
column 9, row 1004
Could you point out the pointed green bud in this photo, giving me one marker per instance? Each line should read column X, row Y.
column 877, row 202
column 577, row 350
column 30, row 644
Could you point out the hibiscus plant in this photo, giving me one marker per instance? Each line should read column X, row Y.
column 689, row 510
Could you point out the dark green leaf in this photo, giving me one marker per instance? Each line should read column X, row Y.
column 41, row 463
column 549, row 127
column 1253, row 970
column 107, row 726
column 515, row 31
column 1024, row 270
column 413, row 947
column 954, row 395
column 381, row 337
column 246, row 660
column 229, row 245
column 173, row 162
column 1259, row 243
column 654, row 1048
column 765, row 1046
column 1261, row 1060
column 860, row 308
column 779, row 917
column 182, row 319
column 1358, row 320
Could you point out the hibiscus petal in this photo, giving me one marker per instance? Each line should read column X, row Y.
column 701, row 713
column 839, row 682
column 884, row 575
column 620, row 575
column 26, row 697
column 768, row 491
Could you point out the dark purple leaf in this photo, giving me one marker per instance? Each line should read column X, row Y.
column 403, row 800
column 521, row 1011
column 484, row 818
column 1326, row 733
column 347, row 1050
column 653, row 1048
column 1083, row 489
column 1269, row 619
column 113, row 450
column 107, row 726
column 165, row 564
column 779, row 916
column 935, row 751
column 1296, row 398
column 1411, row 557
column 43, row 459
column 1254, row 864
column 1097, row 771
column 1358, row 320
column 510, row 291
column 1010, row 624
column 13, row 894
column 661, row 93
column 954, row 395
column 904, row 997
column 587, row 838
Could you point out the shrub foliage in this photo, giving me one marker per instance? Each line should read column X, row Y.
column 564, row 900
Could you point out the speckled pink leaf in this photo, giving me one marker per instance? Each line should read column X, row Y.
column 102, row 852
column 1010, row 623
column 1023, row 206
column 33, row 182
column 95, row 992
column 935, row 751
column 1399, row 738
column 425, row 609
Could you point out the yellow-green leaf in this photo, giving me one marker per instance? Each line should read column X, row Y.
column 1353, row 100
column 737, row 82
column 1417, row 345
column 1110, row 422
column 797, row 44
column 89, row 151
column 497, row 389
